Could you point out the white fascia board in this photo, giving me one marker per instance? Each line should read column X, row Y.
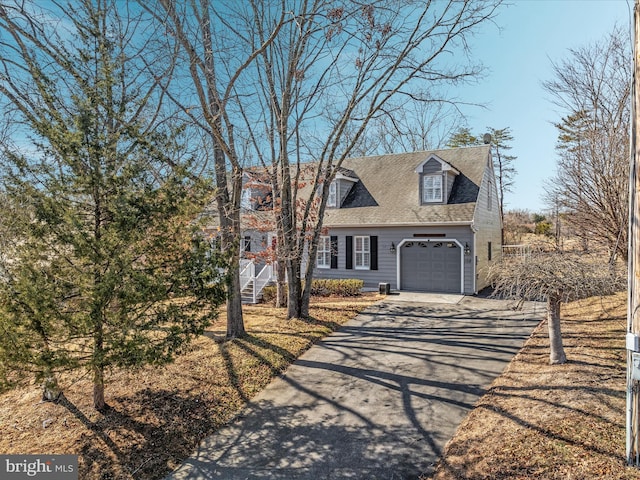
column 446, row 167
column 379, row 225
column 340, row 176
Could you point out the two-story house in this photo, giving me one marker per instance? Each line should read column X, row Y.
column 423, row 221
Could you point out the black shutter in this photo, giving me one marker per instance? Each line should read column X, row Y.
column 334, row 251
column 373, row 244
column 349, row 264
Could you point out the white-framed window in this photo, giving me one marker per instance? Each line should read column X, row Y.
column 323, row 259
column 332, row 199
column 245, row 244
column 432, row 188
column 245, row 198
column 362, row 251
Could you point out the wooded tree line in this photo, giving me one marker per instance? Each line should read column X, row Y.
column 123, row 120
column 589, row 191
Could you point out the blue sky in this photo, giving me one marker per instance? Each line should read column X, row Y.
column 533, row 34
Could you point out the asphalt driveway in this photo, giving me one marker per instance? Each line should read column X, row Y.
column 377, row 399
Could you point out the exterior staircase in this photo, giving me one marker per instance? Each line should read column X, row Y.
column 252, row 283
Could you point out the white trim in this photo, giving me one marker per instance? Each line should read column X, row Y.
column 364, row 252
column 378, row 225
column 341, row 176
column 474, row 263
column 434, row 198
column 399, row 264
column 332, row 186
column 245, row 198
column 271, row 236
column 446, row 166
column 328, row 265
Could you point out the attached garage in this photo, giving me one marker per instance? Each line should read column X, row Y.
column 431, row 266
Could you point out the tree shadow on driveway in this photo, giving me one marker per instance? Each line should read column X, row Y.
column 377, row 399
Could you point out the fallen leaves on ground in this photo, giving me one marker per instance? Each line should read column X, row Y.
column 159, row 415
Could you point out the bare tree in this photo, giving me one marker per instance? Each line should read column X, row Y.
column 330, row 72
column 592, row 89
column 217, row 58
column 409, row 127
column 506, row 171
column 556, row 278
column 517, row 224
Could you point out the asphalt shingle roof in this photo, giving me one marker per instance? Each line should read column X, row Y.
column 388, row 191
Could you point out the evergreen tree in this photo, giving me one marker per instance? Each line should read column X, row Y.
column 107, row 269
column 503, row 162
column 463, row 138
column 500, row 142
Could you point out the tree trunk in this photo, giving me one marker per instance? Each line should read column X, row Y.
column 98, row 389
column 281, row 284
column 50, row 389
column 557, row 355
column 305, row 301
column 295, row 289
column 235, row 319
column 98, row 360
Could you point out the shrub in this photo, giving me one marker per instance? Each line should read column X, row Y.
column 322, row 287
column 350, row 287
column 269, row 293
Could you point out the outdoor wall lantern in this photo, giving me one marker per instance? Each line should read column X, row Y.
column 392, row 248
column 467, row 250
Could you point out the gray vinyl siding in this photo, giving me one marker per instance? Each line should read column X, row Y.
column 387, row 261
column 432, row 166
column 342, row 190
column 258, row 240
column 450, row 177
column 489, row 225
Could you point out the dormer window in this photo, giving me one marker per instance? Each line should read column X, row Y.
column 332, row 199
column 436, row 180
column 432, row 188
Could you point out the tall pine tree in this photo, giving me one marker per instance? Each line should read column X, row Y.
column 501, row 139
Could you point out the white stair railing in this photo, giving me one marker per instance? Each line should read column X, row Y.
column 249, row 279
column 262, row 279
column 247, row 273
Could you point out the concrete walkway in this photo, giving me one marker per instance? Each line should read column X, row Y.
column 378, row 399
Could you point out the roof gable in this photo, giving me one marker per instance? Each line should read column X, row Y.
column 433, row 158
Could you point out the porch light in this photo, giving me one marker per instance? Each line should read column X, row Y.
column 392, row 248
column 467, row 250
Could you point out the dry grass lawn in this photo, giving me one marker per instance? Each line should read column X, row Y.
column 553, row 422
column 159, row 415
column 536, row 422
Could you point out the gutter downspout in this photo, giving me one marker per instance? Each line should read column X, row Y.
column 474, row 260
